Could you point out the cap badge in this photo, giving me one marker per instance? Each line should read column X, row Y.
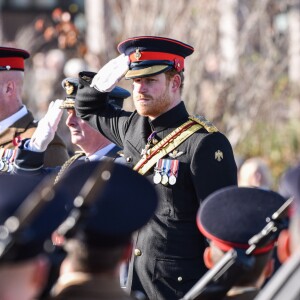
column 69, row 88
column 177, row 65
column 137, row 54
column 218, row 155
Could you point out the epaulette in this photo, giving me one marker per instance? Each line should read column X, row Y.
column 209, row 126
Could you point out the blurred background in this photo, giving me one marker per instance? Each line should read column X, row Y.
column 244, row 74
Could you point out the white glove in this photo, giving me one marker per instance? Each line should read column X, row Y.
column 111, row 73
column 46, row 128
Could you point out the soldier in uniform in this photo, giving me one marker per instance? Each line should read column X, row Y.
column 29, row 212
column 101, row 239
column 185, row 157
column 229, row 218
column 16, row 122
column 93, row 145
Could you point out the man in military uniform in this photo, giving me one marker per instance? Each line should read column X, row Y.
column 93, row 145
column 16, row 122
column 29, row 212
column 229, row 218
column 184, row 156
column 101, row 238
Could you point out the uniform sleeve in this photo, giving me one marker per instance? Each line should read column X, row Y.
column 213, row 165
column 30, row 162
column 109, row 120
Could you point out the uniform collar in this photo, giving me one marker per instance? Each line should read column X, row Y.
column 170, row 119
column 100, row 153
column 13, row 118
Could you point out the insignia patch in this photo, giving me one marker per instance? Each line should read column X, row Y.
column 218, row 155
column 175, row 153
column 137, row 54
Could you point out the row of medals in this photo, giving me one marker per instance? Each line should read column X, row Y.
column 164, row 178
column 161, row 176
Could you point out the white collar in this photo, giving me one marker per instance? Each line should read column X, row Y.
column 13, row 118
column 100, row 153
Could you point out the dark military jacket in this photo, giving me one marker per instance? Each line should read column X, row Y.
column 168, row 252
column 56, row 153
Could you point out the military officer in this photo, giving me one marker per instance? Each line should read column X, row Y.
column 185, row 157
column 93, row 145
column 101, row 238
column 16, row 121
column 229, row 218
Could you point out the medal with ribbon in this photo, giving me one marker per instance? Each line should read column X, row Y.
column 166, row 163
column 173, row 171
column 157, row 170
column 151, row 141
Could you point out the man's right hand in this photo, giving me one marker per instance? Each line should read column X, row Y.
column 110, row 74
column 46, row 128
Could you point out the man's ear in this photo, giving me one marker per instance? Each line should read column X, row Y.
column 10, row 87
column 283, row 246
column 176, row 82
column 207, row 258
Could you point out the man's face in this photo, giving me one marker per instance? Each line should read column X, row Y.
column 79, row 128
column 152, row 95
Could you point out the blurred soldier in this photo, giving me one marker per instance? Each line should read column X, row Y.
column 27, row 220
column 16, row 122
column 254, row 172
column 285, row 282
column 100, row 239
column 185, row 156
column 229, row 218
column 93, row 145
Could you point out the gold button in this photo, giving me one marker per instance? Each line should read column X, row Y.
column 179, row 278
column 129, row 159
column 137, row 252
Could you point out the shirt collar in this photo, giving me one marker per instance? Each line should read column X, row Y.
column 100, row 153
column 13, row 118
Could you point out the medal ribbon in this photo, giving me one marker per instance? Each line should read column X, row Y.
column 158, row 166
column 174, row 167
column 169, row 143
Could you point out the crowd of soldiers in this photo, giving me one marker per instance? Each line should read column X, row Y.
column 150, row 207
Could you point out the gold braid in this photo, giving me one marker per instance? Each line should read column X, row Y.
column 67, row 164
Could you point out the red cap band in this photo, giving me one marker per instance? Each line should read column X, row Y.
column 15, row 63
column 145, row 55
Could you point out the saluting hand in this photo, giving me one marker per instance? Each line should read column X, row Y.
column 46, row 128
column 111, row 73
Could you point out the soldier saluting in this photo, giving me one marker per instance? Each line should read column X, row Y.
column 185, row 156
